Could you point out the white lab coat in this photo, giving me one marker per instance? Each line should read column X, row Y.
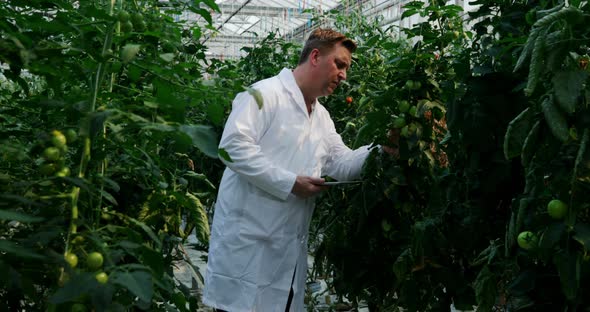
column 259, row 231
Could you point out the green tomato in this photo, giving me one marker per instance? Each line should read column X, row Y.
column 71, row 135
column 136, row 18
column 47, row 169
column 413, row 111
column 404, row 106
column 405, row 132
column 126, row 26
column 78, row 307
column 58, row 139
column 71, row 259
column 78, row 240
column 557, row 209
column 51, row 154
column 102, row 277
column 123, row 16
column 527, row 240
column 94, row 260
column 140, row 26
column 417, row 85
column 106, row 216
column 399, row 122
column 64, row 172
column 410, row 84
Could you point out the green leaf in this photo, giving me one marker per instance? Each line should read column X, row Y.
column 211, row 4
column 18, row 250
column 408, row 13
column 511, row 233
column 199, row 176
column 402, row 264
column 530, row 144
column 522, row 208
column 452, row 8
column 204, row 13
column 129, row 52
column 181, row 142
column 204, row 138
column 424, row 105
column 216, row 112
column 77, row 286
column 520, row 303
column 485, row 289
column 257, row 96
column 113, row 185
column 582, row 235
column 154, row 260
column 582, row 164
column 224, row 155
column 517, row 132
column 168, row 57
column 523, row 283
column 95, row 122
column 568, row 273
column 102, row 297
column 18, row 216
column 158, row 127
column 138, row 282
column 150, row 104
column 555, row 119
column 552, row 235
column 134, row 73
column 199, row 217
column 568, row 87
column 144, row 227
column 106, row 195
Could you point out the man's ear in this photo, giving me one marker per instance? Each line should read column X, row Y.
column 314, row 56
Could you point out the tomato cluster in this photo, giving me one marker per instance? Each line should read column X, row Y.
column 53, row 156
column 131, row 22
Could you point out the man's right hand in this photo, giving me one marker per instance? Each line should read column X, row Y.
column 308, row 186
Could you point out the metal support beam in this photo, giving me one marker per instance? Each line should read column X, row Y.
column 234, row 39
column 264, row 11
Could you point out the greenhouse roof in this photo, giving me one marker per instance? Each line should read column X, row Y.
column 243, row 22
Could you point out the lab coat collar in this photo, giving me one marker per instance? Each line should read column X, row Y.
column 288, row 80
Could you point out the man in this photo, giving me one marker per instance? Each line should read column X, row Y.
column 279, row 151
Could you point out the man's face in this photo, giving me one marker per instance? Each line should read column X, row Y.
column 332, row 67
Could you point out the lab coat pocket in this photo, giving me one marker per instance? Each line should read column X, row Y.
column 264, row 216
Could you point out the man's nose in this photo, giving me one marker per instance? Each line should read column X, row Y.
column 342, row 75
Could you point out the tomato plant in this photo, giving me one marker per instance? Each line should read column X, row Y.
column 109, row 123
column 107, row 142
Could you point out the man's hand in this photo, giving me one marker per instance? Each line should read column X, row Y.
column 308, row 186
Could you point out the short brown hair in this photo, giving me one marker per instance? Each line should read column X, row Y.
column 325, row 39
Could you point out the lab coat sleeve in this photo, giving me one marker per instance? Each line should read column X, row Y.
column 244, row 128
column 343, row 164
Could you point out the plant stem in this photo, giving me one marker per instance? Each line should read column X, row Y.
column 85, row 158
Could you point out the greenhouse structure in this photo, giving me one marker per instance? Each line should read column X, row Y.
column 294, row 155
